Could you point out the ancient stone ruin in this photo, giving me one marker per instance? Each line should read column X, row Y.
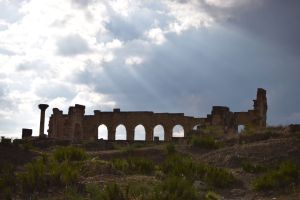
column 77, row 126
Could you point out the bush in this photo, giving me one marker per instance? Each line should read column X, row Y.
column 218, row 177
column 139, row 190
column 121, row 165
column 212, row 196
column 184, row 166
column 7, row 181
column 72, row 193
column 286, row 175
column 68, row 173
column 112, row 191
column 204, row 142
column 170, row 149
column 252, row 168
column 175, row 188
column 134, row 165
column 34, row 177
column 70, row 153
column 43, row 172
column 141, row 165
column 177, row 165
column 94, row 191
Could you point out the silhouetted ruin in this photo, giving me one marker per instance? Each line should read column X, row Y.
column 26, row 133
column 77, row 126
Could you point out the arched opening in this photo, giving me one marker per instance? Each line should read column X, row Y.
column 241, row 128
column 121, row 132
column 102, row 132
column 197, row 127
column 159, row 131
column 139, row 133
column 178, row 131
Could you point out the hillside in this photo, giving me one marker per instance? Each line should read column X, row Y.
column 199, row 169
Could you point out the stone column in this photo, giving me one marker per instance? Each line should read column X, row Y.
column 149, row 134
column 168, row 133
column 111, row 133
column 130, row 133
column 43, row 108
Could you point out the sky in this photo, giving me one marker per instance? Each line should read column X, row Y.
column 162, row 56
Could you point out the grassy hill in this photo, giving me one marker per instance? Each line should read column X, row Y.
column 259, row 165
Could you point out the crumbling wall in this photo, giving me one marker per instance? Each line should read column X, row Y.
column 77, row 126
column 258, row 116
column 222, row 116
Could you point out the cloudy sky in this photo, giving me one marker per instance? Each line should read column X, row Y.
column 164, row 56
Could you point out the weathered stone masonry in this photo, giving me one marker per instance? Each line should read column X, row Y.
column 77, row 126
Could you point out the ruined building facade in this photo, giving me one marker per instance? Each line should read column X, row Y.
column 257, row 117
column 77, row 126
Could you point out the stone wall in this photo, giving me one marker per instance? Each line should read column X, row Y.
column 77, row 126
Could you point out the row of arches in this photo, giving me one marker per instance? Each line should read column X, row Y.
column 139, row 132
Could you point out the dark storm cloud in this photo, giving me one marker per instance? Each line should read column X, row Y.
column 199, row 69
column 72, row 45
column 273, row 20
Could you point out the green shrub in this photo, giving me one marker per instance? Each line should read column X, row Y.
column 184, row 166
column 138, row 190
column 178, row 165
column 204, row 142
column 70, row 153
column 141, row 165
column 175, row 188
column 71, row 193
column 286, row 175
column 43, row 172
column 121, row 165
column 212, row 196
column 252, row 168
column 170, row 149
column 68, row 173
column 112, row 191
column 134, row 165
column 7, row 181
column 34, row 177
column 218, row 177
column 94, row 191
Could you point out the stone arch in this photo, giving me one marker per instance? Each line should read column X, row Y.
column 159, row 131
column 121, row 132
column 102, row 132
column 197, row 127
column 178, row 131
column 241, row 128
column 139, row 132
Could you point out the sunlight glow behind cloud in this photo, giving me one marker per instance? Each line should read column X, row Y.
column 157, row 55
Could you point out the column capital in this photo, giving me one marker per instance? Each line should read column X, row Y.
column 43, row 106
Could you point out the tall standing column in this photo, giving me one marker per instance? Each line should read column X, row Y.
column 43, row 108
